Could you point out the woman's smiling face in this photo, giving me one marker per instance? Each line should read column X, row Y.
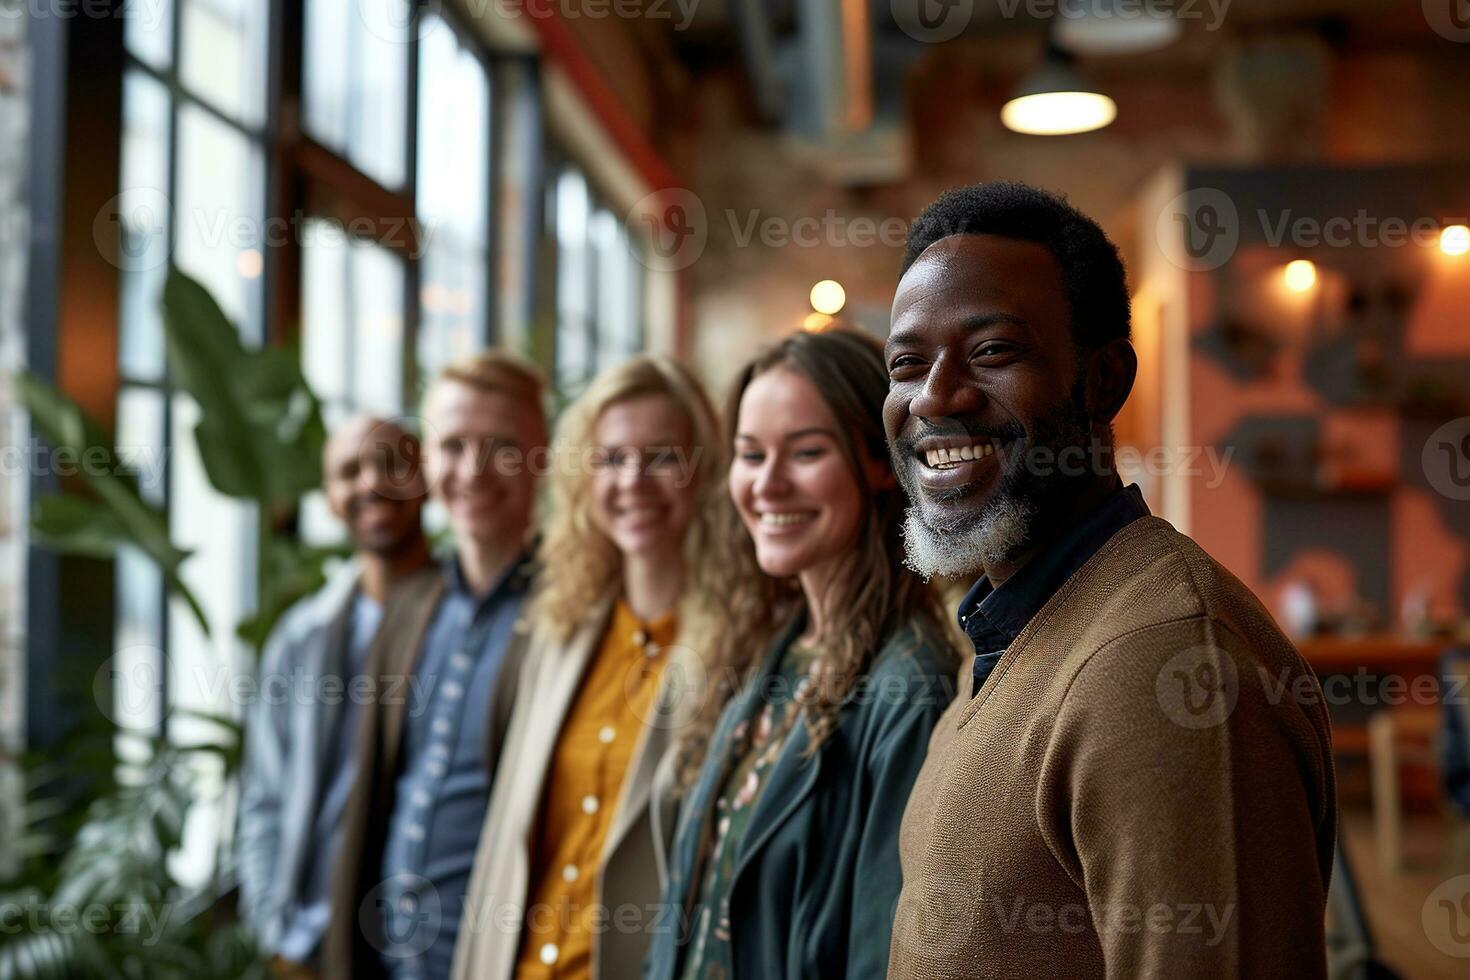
column 791, row 480
column 644, row 492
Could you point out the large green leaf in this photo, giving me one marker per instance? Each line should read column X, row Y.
column 129, row 518
column 77, row 526
column 260, row 434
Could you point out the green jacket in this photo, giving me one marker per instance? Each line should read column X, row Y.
column 817, row 873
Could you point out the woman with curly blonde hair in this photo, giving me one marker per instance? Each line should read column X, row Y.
column 825, row 685
column 623, row 598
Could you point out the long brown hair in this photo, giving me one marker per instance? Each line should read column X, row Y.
column 873, row 595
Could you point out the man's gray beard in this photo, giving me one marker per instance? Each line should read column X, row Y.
column 962, row 549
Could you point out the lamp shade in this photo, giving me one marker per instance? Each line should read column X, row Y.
column 1055, row 101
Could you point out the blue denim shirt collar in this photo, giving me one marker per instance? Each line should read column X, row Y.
column 993, row 617
column 515, row 580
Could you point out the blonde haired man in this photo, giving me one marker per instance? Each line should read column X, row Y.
column 445, row 660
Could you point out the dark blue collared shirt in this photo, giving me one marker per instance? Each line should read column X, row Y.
column 993, row 617
column 444, row 783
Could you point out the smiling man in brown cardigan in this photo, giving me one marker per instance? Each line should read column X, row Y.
column 1136, row 778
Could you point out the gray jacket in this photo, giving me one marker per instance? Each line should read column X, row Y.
column 285, row 735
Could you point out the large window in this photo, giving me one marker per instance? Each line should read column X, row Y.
column 599, row 282
column 355, row 83
column 192, row 192
column 395, row 260
column 453, row 196
column 364, row 239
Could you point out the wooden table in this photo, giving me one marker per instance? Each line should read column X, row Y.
column 1398, row 731
column 1377, row 653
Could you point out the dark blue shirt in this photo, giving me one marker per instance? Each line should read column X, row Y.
column 444, row 784
column 993, row 617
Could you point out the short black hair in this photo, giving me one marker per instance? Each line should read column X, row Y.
column 1092, row 271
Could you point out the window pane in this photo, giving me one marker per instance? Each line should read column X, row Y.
column 138, row 650
column 224, row 55
column 377, row 291
column 616, row 330
column 454, row 135
column 352, row 321
column 356, row 82
column 143, row 222
column 220, row 533
column 452, row 184
column 324, row 310
column 138, row 644
column 149, row 32
column 217, row 221
column 316, row 523
column 573, row 280
column 451, row 304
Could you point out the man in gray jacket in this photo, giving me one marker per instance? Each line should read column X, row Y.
column 298, row 769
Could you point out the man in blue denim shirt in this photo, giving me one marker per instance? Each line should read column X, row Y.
column 446, row 660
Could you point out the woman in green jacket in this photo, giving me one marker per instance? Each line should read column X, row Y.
column 830, row 673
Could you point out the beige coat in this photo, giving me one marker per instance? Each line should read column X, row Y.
column 628, row 874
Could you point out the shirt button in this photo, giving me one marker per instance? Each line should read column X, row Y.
column 414, row 832
column 653, row 650
column 607, row 734
column 569, row 873
column 589, row 804
column 549, row 953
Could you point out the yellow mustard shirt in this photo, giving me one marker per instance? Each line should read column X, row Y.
column 583, row 785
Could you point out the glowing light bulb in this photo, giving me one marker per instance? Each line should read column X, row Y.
column 1301, row 275
column 1454, row 240
column 828, row 297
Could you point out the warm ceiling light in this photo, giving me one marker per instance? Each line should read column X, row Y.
column 816, row 322
column 1454, row 240
column 1055, row 101
column 1301, row 275
column 828, row 297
